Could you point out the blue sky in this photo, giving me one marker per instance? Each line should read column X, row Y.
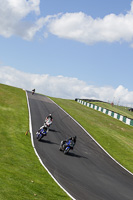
column 68, row 48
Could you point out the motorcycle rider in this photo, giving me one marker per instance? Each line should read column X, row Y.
column 47, row 123
column 33, row 91
column 64, row 142
column 49, row 117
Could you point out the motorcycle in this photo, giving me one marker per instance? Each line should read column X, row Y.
column 44, row 129
column 66, row 146
column 40, row 134
column 33, row 91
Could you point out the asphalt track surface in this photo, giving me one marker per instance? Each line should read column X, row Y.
column 87, row 173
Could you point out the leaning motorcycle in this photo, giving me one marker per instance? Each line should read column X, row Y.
column 44, row 130
column 66, row 147
column 33, row 91
column 40, row 134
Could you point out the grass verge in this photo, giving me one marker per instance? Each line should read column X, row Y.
column 21, row 175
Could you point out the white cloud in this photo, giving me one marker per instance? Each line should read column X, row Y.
column 64, row 87
column 83, row 28
column 75, row 26
column 12, row 13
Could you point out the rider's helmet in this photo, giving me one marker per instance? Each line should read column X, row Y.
column 50, row 116
column 74, row 138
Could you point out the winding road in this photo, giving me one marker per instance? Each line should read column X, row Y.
column 87, row 173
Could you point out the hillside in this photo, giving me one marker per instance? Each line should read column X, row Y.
column 21, row 174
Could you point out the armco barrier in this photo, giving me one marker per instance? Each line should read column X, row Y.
column 118, row 116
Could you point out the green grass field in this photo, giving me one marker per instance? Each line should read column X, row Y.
column 22, row 177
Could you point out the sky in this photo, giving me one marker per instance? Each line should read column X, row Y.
column 68, row 48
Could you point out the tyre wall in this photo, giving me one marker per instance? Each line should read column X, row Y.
column 118, row 116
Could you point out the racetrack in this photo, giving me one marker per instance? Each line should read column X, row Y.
column 87, row 173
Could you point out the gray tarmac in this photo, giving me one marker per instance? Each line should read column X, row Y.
column 87, row 172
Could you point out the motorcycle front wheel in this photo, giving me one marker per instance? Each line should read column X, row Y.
column 39, row 137
column 66, row 150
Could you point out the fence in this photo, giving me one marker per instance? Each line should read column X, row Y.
column 113, row 114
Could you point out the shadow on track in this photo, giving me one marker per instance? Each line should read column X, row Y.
column 47, row 141
column 75, row 155
column 54, row 131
